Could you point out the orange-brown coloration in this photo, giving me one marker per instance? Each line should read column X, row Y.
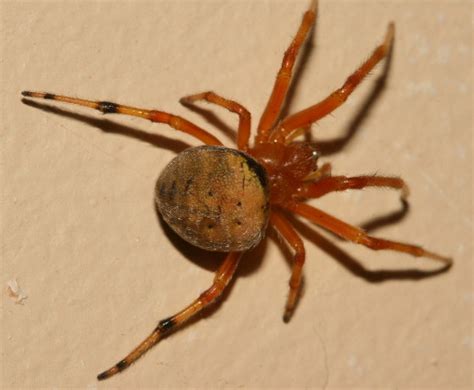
column 287, row 167
column 243, row 132
column 290, row 168
column 215, row 198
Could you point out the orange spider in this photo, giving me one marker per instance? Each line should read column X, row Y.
column 222, row 199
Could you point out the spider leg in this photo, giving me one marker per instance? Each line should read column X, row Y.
column 243, row 132
column 341, row 183
column 283, row 226
column 338, row 97
column 357, row 235
column 222, row 278
column 283, row 79
column 174, row 121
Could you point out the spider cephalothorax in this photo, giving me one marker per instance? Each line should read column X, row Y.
column 288, row 166
column 222, row 199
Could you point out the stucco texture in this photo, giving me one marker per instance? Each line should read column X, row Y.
column 81, row 237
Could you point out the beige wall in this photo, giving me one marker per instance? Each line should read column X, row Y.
column 81, row 237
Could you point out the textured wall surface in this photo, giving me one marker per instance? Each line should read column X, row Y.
column 81, row 237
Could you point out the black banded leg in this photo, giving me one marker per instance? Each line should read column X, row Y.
column 105, row 107
column 222, row 278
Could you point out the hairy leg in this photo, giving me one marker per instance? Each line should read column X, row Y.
column 337, row 98
column 282, row 82
column 286, row 230
column 357, row 235
column 341, row 183
column 174, row 121
column 243, row 133
column 222, row 278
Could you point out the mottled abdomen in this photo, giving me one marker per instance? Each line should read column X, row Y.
column 215, row 198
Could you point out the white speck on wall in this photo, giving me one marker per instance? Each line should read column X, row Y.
column 468, row 342
column 463, row 49
column 356, row 365
column 421, row 43
column 352, row 361
column 15, row 292
column 463, row 88
column 407, row 155
column 192, row 337
column 443, row 55
column 460, row 250
column 461, row 152
column 469, row 297
column 420, row 88
column 397, row 145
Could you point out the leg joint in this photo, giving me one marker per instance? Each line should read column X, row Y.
column 166, row 324
column 107, row 107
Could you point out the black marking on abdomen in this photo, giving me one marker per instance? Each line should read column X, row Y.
column 107, row 107
column 172, row 191
column 162, row 190
column 49, row 96
column 188, row 184
column 256, row 168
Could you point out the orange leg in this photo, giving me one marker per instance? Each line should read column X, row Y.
column 222, row 278
column 243, row 133
column 341, row 183
column 337, row 98
column 357, row 235
column 282, row 83
column 174, row 121
column 281, row 224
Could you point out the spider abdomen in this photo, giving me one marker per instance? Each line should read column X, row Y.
column 215, row 198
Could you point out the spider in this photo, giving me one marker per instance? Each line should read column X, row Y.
column 223, row 199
